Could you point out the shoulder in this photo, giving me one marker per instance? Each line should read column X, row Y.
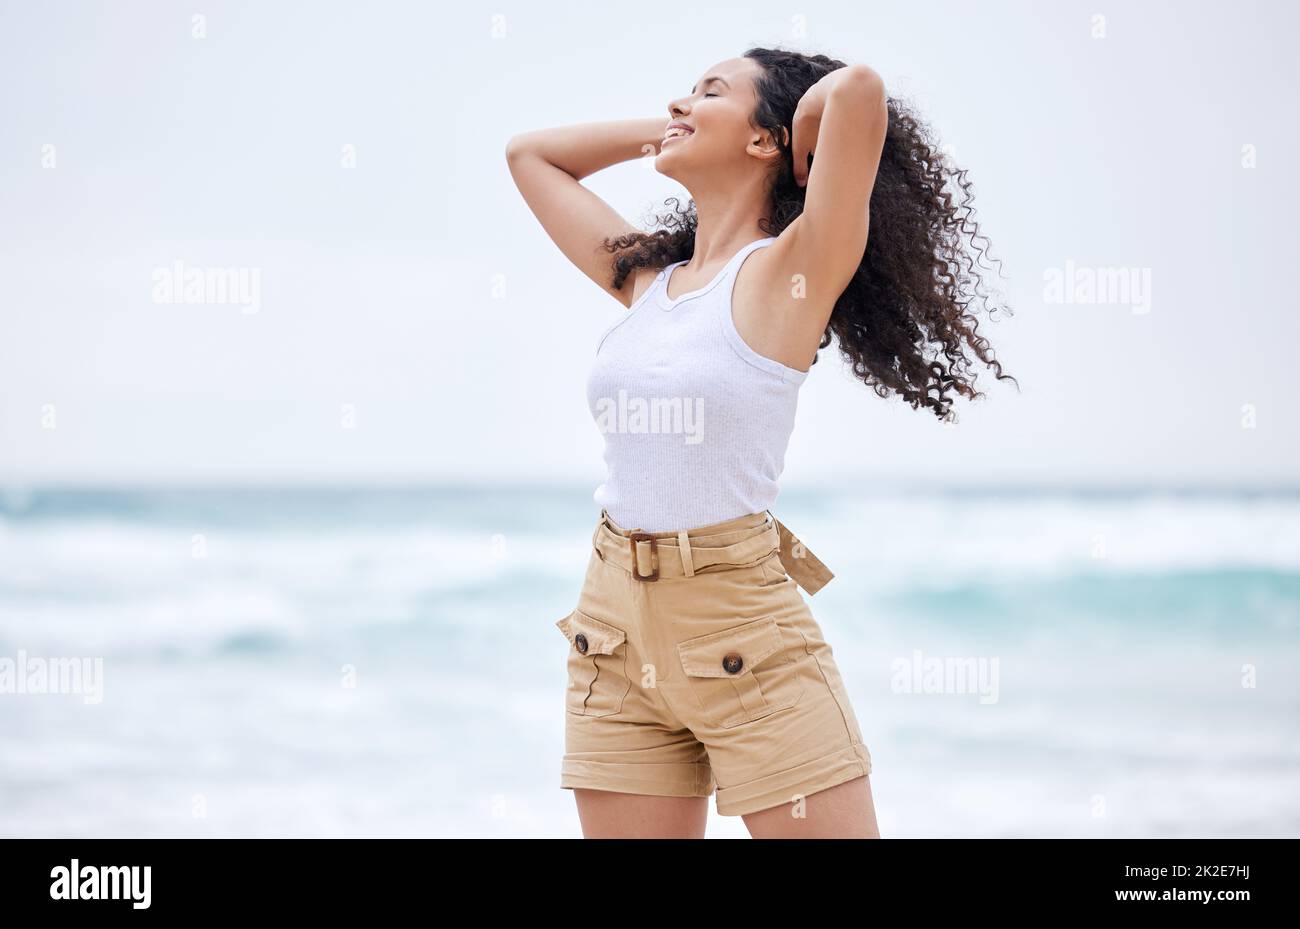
column 763, row 273
column 778, row 275
column 774, row 311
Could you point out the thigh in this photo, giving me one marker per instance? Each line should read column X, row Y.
column 845, row 811
column 607, row 814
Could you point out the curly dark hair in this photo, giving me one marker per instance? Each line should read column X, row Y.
column 905, row 320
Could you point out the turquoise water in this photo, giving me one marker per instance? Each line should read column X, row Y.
column 385, row 661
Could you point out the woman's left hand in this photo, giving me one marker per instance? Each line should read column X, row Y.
column 807, row 121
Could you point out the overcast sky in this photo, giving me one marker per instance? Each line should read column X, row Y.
column 413, row 322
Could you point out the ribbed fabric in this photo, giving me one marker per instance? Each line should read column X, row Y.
column 696, row 423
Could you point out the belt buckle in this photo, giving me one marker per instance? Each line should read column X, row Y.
column 654, row 556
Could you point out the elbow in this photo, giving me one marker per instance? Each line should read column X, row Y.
column 862, row 91
column 516, row 146
column 865, row 83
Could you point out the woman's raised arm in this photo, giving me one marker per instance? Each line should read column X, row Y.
column 548, row 166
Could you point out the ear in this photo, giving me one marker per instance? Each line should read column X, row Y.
column 765, row 145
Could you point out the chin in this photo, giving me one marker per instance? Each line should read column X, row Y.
column 665, row 170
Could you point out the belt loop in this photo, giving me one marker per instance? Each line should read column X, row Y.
column 684, row 549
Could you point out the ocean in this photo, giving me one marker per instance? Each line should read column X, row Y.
column 384, row 661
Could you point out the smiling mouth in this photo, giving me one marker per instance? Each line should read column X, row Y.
column 677, row 133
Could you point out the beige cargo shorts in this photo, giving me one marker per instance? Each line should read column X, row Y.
column 694, row 663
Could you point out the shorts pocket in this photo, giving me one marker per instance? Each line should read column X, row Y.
column 742, row 673
column 597, row 661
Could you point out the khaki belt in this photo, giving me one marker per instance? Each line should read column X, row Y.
column 800, row 563
column 649, row 557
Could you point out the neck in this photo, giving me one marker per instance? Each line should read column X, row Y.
column 727, row 220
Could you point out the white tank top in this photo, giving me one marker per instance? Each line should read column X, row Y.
column 696, row 423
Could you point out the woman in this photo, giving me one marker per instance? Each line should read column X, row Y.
column 695, row 664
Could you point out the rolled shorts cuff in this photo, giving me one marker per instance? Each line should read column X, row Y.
column 802, row 780
column 684, row 779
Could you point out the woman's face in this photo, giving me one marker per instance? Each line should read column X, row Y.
column 716, row 116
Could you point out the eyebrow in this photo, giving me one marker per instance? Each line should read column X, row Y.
column 710, row 80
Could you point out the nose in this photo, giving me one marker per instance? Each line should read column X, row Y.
column 676, row 110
